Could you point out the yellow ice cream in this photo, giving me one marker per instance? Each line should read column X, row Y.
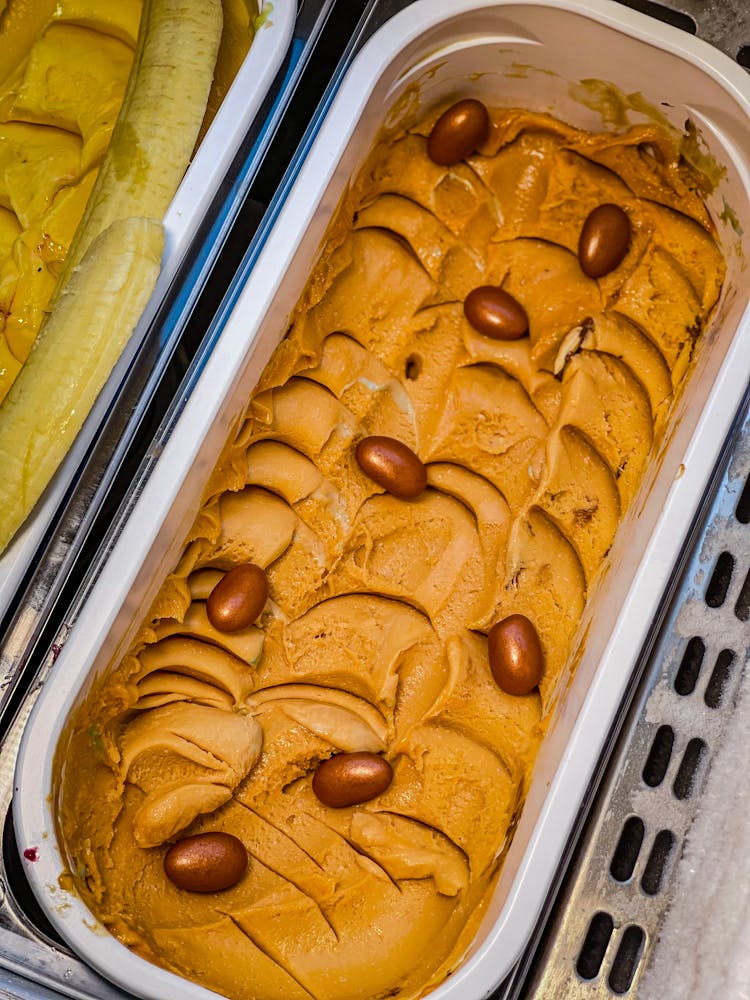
column 67, row 192
column 374, row 635
column 63, row 72
column 64, row 67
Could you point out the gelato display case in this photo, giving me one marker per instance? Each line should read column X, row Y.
column 561, row 919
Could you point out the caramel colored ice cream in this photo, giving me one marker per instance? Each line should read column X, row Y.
column 374, row 635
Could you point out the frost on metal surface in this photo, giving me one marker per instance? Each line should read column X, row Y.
column 702, row 950
column 658, row 901
column 723, row 23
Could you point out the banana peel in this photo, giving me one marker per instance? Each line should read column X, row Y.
column 113, row 261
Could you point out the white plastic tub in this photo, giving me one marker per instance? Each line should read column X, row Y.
column 186, row 212
column 530, row 54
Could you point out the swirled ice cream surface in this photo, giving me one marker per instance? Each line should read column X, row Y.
column 374, row 634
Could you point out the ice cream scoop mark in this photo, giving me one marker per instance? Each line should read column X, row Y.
column 377, row 864
column 453, row 304
column 380, row 596
column 282, row 833
column 205, row 757
column 213, row 640
column 187, row 640
column 305, row 376
column 357, row 850
column 403, row 242
column 493, row 368
column 343, row 425
column 185, row 684
column 185, row 670
column 469, row 167
column 411, row 852
column 328, row 693
column 427, row 236
column 439, row 484
column 280, row 874
column 266, row 951
column 146, row 702
column 266, row 458
column 453, row 496
column 427, row 826
column 421, row 208
column 384, row 595
column 454, row 727
column 631, row 321
column 547, row 519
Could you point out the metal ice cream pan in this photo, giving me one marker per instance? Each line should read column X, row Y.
column 187, row 211
column 526, row 54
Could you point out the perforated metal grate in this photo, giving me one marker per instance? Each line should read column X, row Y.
column 617, row 892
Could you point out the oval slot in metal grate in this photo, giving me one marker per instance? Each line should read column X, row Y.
column 684, row 782
column 742, row 510
column 653, row 873
column 720, row 675
column 626, row 960
column 594, row 946
column 718, row 585
column 742, row 607
column 659, row 756
column 628, row 848
column 690, row 667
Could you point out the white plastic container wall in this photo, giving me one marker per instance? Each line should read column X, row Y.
column 510, row 54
